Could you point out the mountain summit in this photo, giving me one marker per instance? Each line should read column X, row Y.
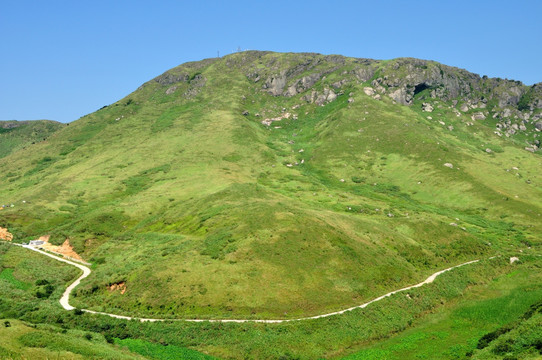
column 270, row 185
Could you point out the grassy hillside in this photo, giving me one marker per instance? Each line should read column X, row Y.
column 30, row 287
column 181, row 192
column 456, row 311
column 504, row 311
column 15, row 135
column 27, row 341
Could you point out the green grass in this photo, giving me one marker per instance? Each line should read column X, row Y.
column 7, row 275
column 199, row 208
column 157, row 351
column 217, row 179
column 455, row 329
column 20, row 340
column 25, row 134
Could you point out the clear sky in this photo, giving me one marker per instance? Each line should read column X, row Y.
column 60, row 60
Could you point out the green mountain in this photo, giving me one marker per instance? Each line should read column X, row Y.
column 15, row 135
column 266, row 185
column 184, row 190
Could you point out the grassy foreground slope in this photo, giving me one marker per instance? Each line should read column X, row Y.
column 29, row 282
column 495, row 321
column 15, row 135
column 193, row 194
column 33, row 326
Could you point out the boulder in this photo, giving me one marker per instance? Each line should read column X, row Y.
column 275, row 84
column 330, row 95
column 464, row 107
column 401, row 96
column 427, row 107
column 478, row 116
column 369, row 91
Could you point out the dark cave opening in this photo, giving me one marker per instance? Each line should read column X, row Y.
column 420, row 87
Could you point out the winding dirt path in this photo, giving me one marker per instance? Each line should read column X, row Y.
column 64, row 300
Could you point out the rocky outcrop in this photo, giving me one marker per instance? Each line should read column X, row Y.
column 275, row 84
column 478, row 116
column 170, row 78
column 402, row 80
column 318, row 98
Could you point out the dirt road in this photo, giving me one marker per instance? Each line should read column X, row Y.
column 64, row 300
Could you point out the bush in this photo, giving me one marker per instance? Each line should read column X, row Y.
column 357, row 179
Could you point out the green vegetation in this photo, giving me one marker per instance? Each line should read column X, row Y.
column 28, row 341
column 200, row 210
column 460, row 328
column 7, row 275
column 161, row 352
column 15, row 135
column 468, row 302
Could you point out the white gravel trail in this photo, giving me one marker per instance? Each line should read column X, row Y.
column 64, row 300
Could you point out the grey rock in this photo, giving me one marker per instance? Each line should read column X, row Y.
column 330, row 95
column 171, row 90
column 427, row 107
column 401, row 96
column 275, row 84
column 369, row 91
column 291, row 91
column 478, row 116
column 339, row 84
column 364, row 73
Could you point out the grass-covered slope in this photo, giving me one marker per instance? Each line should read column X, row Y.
column 15, row 135
column 191, row 195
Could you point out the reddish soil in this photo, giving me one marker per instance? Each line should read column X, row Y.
column 121, row 286
column 65, row 249
column 5, row 234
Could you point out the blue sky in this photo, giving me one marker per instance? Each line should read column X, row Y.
column 63, row 59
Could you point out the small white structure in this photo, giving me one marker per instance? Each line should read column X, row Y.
column 36, row 242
